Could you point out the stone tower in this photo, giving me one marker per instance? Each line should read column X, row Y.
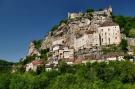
column 110, row 9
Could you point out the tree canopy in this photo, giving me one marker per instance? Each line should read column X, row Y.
column 112, row 75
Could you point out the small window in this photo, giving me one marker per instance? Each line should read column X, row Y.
column 102, row 30
column 109, row 40
column 108, row 29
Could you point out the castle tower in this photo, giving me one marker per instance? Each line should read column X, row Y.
column 110, row 9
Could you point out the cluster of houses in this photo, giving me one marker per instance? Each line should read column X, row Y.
column 98, row 32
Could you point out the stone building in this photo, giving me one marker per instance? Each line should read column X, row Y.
column 88, row 40
column 106, row 12
column 74, row 15
column 33, row 65
column 131, row 41
column 61, row 51
column 109, row 35
column 106, row 35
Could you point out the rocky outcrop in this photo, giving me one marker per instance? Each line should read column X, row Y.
column 32, row 50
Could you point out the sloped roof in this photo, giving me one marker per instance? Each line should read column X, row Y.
column 108, row 23
column 37, row 62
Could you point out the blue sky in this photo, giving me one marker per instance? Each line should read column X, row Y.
column 22, row 21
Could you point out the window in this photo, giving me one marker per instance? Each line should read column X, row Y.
column 109, row 40
column 102, row 39
column 102, row 30
column 108, row 29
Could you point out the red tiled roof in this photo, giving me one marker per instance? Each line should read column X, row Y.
column 37, row 62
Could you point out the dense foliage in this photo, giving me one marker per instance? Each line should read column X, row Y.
column 5, row 66
column 112, row 75
column 44, row 54
column 28, row 59
column 124, row 45
column 128, row 23
column 37, row 43
column 89, row 10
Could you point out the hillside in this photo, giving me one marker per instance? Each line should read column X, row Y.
column 3, row 62
column 127, row 24
column 5, row 66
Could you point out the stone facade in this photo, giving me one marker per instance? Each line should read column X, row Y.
column 33, row 65
column 86, row 41
column 131, row 41
column 62, row 52
column 109, row 35
column 103, row 36
column 74, row 15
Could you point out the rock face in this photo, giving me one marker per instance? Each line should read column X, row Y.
column 32, row 50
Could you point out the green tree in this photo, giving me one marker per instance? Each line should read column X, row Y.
column 89, row 10
column 132, row 32
column 37, row 43
column 5, row 80
column 124, row 45
column 55, row 27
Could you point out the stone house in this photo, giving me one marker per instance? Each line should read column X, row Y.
column 131, row 41
column 88, row 40
column 61, row 52
column 33, row 65
column 105, row 35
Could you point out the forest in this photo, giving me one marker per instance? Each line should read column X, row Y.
column 105, row 75
column 5, row 66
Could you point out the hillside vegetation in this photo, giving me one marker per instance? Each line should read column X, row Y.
column 5, row 66
column 127, row 23
column 112, row 75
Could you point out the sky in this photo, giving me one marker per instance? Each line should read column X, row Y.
column 22, row 21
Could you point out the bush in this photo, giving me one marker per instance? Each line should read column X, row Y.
column 124, row 45
column 89, row 10
column 128, row 23
column 37, row 43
